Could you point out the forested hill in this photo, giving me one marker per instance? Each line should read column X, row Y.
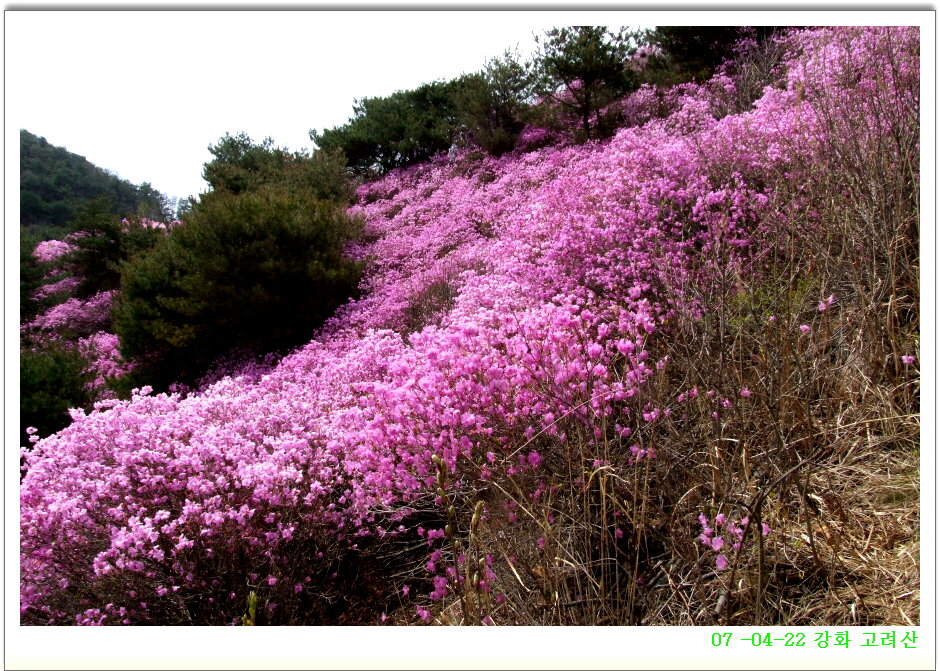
column 55, row 183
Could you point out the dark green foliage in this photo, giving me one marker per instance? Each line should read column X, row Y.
column 695, row 52
column 402, row 129
column 184, row 207
column 103, row 245
column 240, row 165
column 259, row 269
column 153, row 204
column 493, row 105
column 580, row 70
column 55, row 183
column 51, row 381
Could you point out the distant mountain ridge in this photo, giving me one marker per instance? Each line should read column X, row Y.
column 55, row 183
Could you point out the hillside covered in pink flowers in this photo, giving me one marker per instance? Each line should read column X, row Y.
column 667, row 377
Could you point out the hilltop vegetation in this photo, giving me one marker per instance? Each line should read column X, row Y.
column 634, row 348
column 570, row 89
column 55, row 184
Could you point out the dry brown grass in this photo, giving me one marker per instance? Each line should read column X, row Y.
column 824, row 450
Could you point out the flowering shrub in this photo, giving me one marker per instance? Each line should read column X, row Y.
column 101, row 351
column 51, row 250
column 76, row 316
column 514, row 332
column 66, row 285
column 69, row 328
column 724, row 536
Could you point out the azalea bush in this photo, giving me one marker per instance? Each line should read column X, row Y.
column 625, row 382
column 66, row 341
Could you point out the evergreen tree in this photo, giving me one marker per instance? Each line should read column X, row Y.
column 103, row 244
column 51, row 381
column 242, row 165
column 493, row 104
column 580, row 70
column 260, row 270
column 404, row 128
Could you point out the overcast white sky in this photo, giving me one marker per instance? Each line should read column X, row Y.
column 143, row 94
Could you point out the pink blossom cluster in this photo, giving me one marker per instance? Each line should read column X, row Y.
column 641, row 58
column 535, row 137
column 105, row 361
column 724, row 535
column 78, row 324
column 66, row 285
column 50, row 250
column 57, row 279
column 76, row 315
column 237, row 364
column 506, row 312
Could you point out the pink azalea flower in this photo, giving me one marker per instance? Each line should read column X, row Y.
column 505, row 301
